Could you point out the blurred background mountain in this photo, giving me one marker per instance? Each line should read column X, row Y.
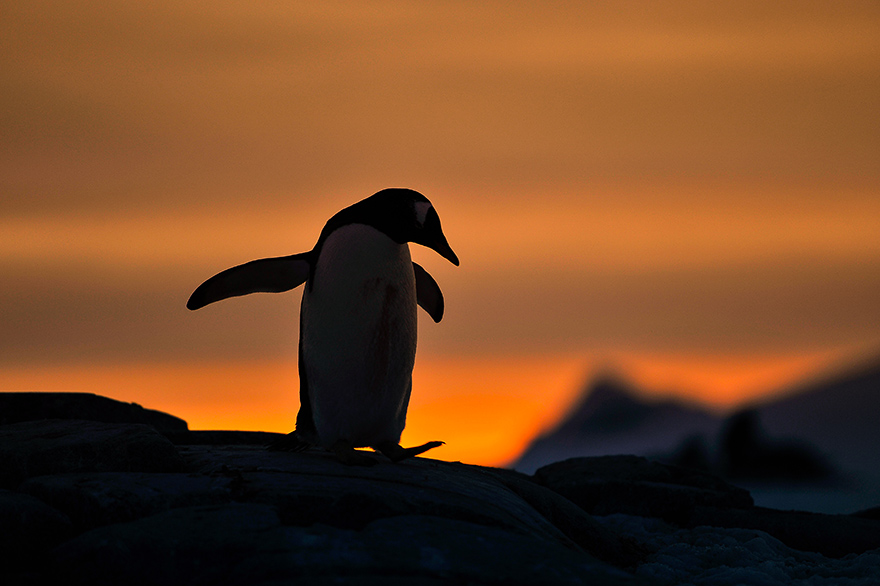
column 812, row 447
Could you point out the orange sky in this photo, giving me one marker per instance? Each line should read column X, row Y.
column 688, row 192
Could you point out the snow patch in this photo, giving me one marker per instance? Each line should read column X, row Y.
column 719, row 557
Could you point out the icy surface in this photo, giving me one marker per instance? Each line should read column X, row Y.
column 719, row 557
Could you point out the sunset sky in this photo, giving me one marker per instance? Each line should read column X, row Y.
column 686, row 193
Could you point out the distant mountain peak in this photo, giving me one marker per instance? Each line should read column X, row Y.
column 613, row 417
column 608, row 403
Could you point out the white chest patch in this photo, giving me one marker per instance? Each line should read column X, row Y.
column 359, row 337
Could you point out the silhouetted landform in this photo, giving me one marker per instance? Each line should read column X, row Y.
column 33, row 406
column 746, row 452
column 86, row 502
column 62, row 446
column 804, row 436
column 213, row 437
column 637, row 486
column 839, row 413
column 611, row 418
column 17, row 407
column 810, row 434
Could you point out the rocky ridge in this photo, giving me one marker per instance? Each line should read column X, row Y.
column 93, row 502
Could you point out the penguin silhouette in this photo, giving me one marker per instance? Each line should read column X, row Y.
column 357, row 337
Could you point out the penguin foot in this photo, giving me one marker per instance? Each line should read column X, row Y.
column 292, row 442
column 349, row 456
column 396, row 453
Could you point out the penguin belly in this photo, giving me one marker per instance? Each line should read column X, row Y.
column 358, row 337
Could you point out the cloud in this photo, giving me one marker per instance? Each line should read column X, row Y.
column 678, row 174
column 103, row 316
column 161, row 105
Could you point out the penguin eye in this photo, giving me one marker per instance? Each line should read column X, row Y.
column 421, row 209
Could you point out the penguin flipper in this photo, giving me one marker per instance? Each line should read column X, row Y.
column 428, row 293
column 268, row 275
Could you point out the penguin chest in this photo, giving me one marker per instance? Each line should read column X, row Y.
column 359, row 337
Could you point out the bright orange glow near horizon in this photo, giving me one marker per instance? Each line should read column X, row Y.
column 486, row 410
column 687, row 193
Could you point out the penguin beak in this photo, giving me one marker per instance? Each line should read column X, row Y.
column 443, row 249
column 432, row 236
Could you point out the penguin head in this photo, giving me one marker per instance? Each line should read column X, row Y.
column 404, row 215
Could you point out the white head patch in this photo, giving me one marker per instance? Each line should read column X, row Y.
column 421, row 209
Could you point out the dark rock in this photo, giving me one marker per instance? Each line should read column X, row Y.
column 573, row 521
column 688, row 498
column 101, row 503
column 419, row 520
column 29, row 528
column 54, row 446
column 222, row 438
column 872, row 513
column 94, row 499
column 831, row 535
column 18, row 407
column 637, row 486
column 325, row 491
column 249, row 544
column 313, row 487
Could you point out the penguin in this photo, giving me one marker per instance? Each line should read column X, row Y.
column 357, row 334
